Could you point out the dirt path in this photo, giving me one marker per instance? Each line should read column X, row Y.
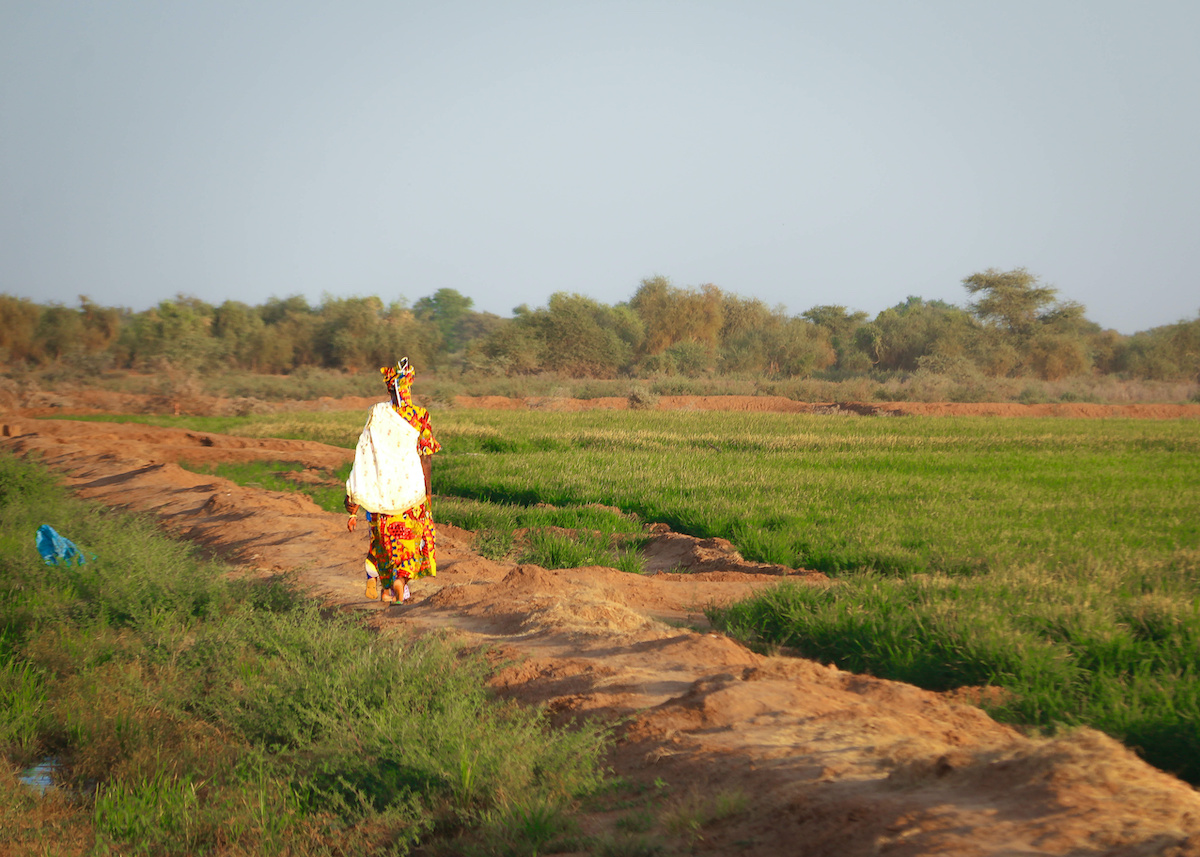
column 833, row 763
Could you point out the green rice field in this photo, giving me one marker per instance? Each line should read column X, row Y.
column 898, row 496
column 1057, row 559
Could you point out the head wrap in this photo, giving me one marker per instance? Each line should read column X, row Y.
column 399, row 377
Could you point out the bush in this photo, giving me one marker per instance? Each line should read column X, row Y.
column 641, row 399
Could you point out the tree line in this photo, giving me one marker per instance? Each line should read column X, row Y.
column 1013, row 325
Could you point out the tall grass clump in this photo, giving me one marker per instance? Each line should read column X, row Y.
column 549, row 536
column 190, row 713
column 1102, row 647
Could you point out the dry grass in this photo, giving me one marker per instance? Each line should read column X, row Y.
column 550, row 391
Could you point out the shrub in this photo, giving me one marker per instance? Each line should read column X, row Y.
column 641, row 399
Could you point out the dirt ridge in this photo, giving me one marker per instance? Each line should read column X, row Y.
column 87, row 401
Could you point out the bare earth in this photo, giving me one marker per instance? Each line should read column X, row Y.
column 833, row 763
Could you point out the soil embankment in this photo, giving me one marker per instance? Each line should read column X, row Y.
column 779, row 404
column 85, row 401
column 833, row 763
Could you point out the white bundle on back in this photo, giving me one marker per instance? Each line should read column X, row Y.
column 387, row 475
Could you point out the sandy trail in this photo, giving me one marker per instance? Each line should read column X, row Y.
column 833, row 763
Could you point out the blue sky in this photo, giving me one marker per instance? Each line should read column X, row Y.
column 801, row 153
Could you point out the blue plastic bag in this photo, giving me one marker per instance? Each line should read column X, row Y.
column 55, row 549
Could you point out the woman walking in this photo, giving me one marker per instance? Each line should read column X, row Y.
column 391, row 481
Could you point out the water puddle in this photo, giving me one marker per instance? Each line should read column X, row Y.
column 40, row 777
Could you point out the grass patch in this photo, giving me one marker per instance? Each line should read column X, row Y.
column 195, row 714
column 326, row 488
column 687, row 815
column 552, row 537
column 1111, row 648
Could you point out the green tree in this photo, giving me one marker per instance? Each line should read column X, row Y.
column 1167, row 353
column 795, row 347
column 756, row 339
column 689, row 358
column 178, row 331
column 402, row 334
column 670, row 314
column 1013, row 300
column 346, row 330
column 580, row 337
column 18, row 329
column 514, row 347
column 59, row 332
column 239, row 331
column 288, row 340
column 1105, row 348
column 276, row 310
column 101, row 325
column 476, row 326
column 745, row 326
column 902, row 335
column 572, row 334
column 447, row 310
column 66, row 333
column 842, row 326
column 1031, row 331
column 1052, row 356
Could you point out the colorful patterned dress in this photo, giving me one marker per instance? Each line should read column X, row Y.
column 402, row 543
column 402, row 546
